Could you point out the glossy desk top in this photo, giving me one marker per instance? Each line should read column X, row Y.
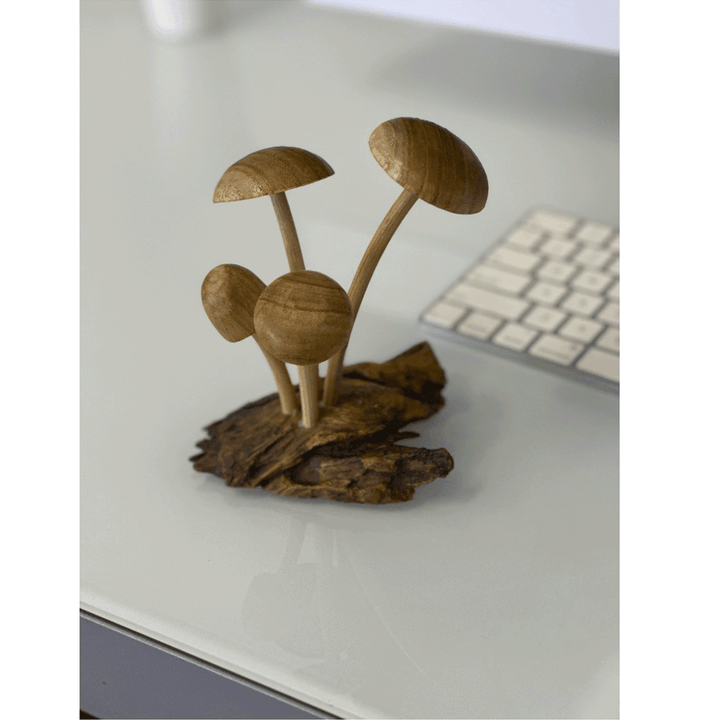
column 494, row 593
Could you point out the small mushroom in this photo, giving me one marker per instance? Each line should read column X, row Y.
column 430, row 163
column 229, row 294
column 303, row 318
column 272, row 172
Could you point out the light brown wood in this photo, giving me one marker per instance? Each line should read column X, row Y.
column 269, row 172
column 303, row 318
column 272, row 172
column 430, row 163
column 366, row 268
column 308, row 376
column 229, row 295
column 296, row 262
column 286, row 390
column 288, row 231
column 400, row 208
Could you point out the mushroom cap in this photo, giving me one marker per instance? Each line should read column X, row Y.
column 270, row 171
column 432, row 163
column 303, row 317
column 229, row 294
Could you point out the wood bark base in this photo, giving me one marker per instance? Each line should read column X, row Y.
column 351, row 455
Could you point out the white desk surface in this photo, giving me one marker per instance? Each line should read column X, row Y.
column 494, row 593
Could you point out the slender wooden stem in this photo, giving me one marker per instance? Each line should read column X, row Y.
column 334, row 370
column 288, row 230
column 366, row 268
column 388, row 226
column 296, row 262
column 288, row 399
column 308, row 394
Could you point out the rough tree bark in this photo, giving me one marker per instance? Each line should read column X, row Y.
column 352, row 454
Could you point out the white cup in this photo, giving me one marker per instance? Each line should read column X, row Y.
column 177, row 19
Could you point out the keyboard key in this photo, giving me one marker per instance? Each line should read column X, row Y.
column 556, row 270
column 479, row 325
column 603, row 364
column 515, row 259
column 552, row 221
column 613, row 292
column 582, row 329
column 610, row 314
column 544, row 318
column 497, row 279
column 594, row 233
column 493, row 303
column 545, row 293
column 555, row 349
column 514, row 336
column 558, row 248
column 592, row 258
column 525, row 238
column 582, row 303
column 609, row 340
column 549, row 289
column 590, row 280
column 444, row 314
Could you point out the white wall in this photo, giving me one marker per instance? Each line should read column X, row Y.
column 593, row 23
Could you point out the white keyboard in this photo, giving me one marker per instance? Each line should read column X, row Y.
column 548, row 294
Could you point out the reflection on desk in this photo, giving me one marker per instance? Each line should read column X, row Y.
column 493, row 593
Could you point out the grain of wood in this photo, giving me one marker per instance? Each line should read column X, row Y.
column 302, row 318
column 270, row 171
column 308, row 376
column 351, row 455
column 273, row 171
column 288, row 231
column 430, row 163
column 229, row 295
column 288, row 397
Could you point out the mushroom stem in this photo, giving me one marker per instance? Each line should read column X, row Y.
column 366, row 268
column 288, row 230
column 286, row 391
column 375, row 249
column 295, row 260
column 308, row 394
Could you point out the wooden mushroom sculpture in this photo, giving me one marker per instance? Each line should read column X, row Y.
column 430, row 163
column 229, row 295
column 273, row 171
column 303, row 318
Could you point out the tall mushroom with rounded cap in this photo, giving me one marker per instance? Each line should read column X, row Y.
column 430, row 163
column 229, row 295
column 303, row 318
column 273, row 171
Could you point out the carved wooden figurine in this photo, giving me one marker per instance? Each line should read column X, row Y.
column 347, row 449
column 430, row 163
column 273, row 171
column 229, row 295
column 303, row 318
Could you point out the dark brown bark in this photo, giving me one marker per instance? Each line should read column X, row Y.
column 351, row 455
